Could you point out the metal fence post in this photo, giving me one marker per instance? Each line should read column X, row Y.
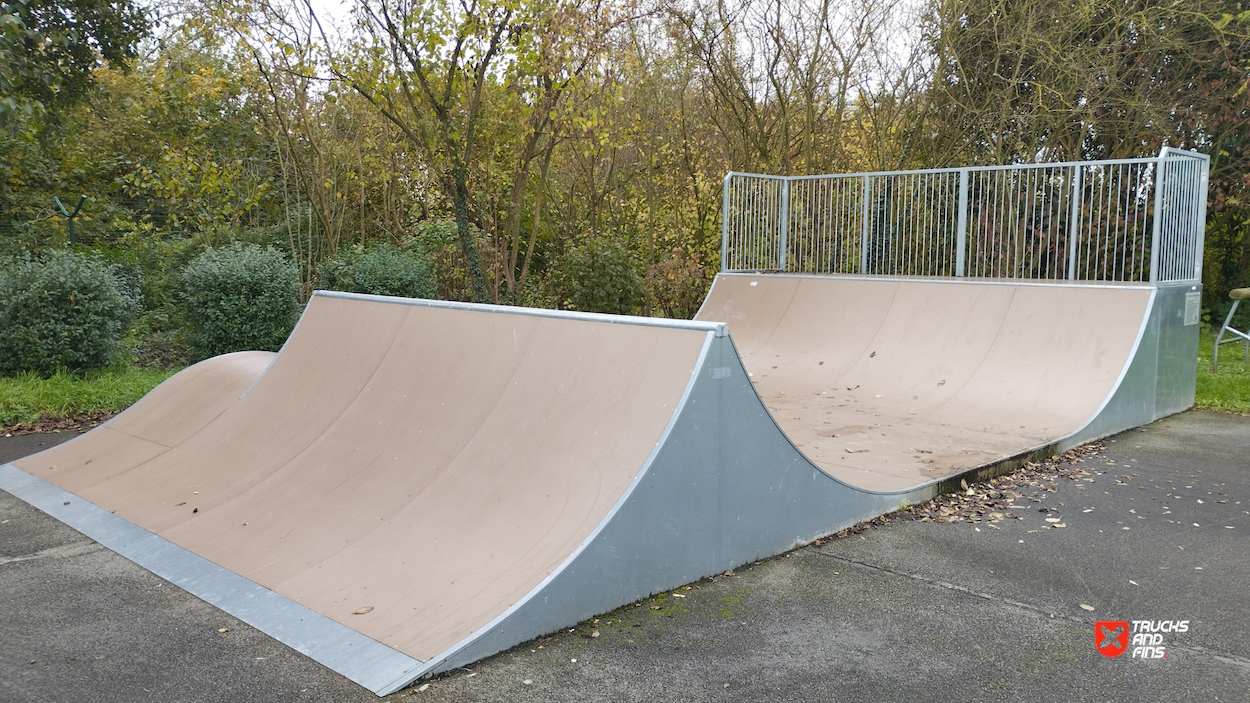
column 783, row 224
column 865, row 227
column 1074, row 222
column 1200, row 214
column 724, row 223
column 1158, row 221
column 961, row 233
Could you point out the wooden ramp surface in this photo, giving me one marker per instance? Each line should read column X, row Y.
column 887, row 383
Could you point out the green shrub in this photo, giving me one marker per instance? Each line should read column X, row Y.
column 677, row 286
column 599, row 276
column 240, row 297
column 438, row 242
column 62, row 311
column 379, row 270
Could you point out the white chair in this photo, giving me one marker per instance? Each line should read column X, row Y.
column 1238, row 295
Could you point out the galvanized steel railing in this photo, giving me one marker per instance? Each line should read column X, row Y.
column 1122, row 220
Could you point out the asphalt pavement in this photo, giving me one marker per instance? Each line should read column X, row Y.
column 1156, row 530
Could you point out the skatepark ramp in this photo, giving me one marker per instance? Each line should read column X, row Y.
column 412, row 485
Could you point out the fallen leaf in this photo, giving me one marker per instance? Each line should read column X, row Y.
column 363, row 611
column 595, row 633
column 1087, row 607
column 942, row 382
column 223, row 629
column 872, row 355
column 424, row 687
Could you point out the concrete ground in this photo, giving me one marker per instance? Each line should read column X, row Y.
column 906, row 611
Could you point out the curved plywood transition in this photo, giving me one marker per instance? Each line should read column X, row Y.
column 888, row 383
column 432, row 465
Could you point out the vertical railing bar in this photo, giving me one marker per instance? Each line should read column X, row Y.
column 961, row 228
column 1045, row 196
column 1199, row 194
column 864, row 224
column 1157, row 223
column 728, row 223
column 927, row 254
column 999, row 264
column 1126, row 253
column 1114, row 222
column 1103, row 206
column 1139, row 217
column 998, row 225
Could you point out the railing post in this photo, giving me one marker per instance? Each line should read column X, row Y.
column 1200, row 208
column 1074, row 222
column 724, row 223
column 865, row 227
column 961, row 233
column 1158, row 221
column 783, row 224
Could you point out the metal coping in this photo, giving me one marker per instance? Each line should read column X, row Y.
column 361, row 659
column 720, row 328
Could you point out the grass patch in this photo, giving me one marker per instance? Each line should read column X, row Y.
column 1230, row 388
column 26, row 397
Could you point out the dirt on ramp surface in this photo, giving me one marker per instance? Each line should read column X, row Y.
column 887, row 383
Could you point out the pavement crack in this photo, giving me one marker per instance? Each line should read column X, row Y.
column 1225, row 657
column 946, row 585
column 1235, row 660
column 61, row 552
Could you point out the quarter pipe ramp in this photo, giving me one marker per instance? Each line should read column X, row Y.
column 409, row 485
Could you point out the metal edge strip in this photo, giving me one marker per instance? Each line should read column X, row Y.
column 433, row 663
column 348, row 652
column 718, row 327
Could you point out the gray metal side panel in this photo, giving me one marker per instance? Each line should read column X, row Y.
column 1161, row 376
column 361, row 659
column 1178, row 349
column 725, row 488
